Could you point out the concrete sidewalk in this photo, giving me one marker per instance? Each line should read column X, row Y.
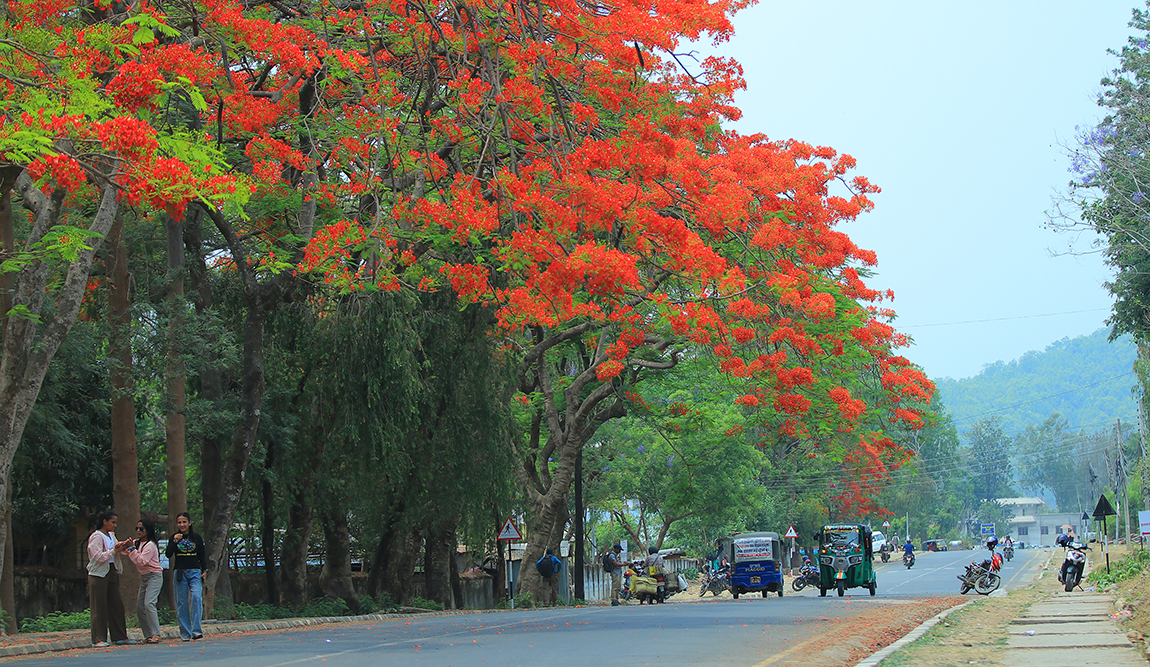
column 1070, row 628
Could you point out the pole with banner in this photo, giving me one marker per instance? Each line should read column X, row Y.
column 1143, row 527
column 1102, row 510
column 509, row 533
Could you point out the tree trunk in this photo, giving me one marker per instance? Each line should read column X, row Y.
column 293, row 555
column 394, row 562
column 267, row 530
column 174, row 425
column 7, row 245
column 437, row 565
column 211, row 382
column 125, row 466
column 335, row 578
column 28, row 345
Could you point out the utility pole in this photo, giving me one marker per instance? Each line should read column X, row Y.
column 579, row 537
column 1123, row 477
column 1145, row 463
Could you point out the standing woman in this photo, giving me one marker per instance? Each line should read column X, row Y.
column 145, row 553
column 186, row 553
column 104, row 569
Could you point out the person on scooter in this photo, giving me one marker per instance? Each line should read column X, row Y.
column 907, row 551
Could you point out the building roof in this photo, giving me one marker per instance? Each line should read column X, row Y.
column 1020, row 501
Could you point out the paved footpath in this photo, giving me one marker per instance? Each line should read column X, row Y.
column 1070, row 628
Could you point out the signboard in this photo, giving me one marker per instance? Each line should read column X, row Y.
column 753, row 548
column 886, row 524
column 791, row 532
column 1103, row 509
column 988, row 529
column 509, row 532
column 1144, row 522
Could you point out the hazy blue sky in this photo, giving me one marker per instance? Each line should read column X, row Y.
column 956, row 110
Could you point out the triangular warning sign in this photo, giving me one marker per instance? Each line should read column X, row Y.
column 509, row 531
column 1103, row 508
column 791, row 532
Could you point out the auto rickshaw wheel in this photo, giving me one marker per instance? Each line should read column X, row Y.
column 872, row 588
column 780, row 592
column 822, row 592
column 735, row 593
column 842, row 588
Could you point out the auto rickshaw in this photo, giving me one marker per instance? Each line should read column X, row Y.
column 845, row 558
column 756, row 560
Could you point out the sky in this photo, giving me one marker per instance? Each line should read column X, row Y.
column 961, row 113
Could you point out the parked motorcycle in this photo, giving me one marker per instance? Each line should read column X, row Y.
column 1073, row 565
column 716, row 581
column 908, row 560
column 982, row 577
column 808, row 576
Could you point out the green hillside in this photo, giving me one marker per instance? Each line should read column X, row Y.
column 1086, row 379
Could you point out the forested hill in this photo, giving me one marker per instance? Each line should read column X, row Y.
column 1076, row 377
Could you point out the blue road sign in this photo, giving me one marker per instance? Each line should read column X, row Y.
column 988, row 529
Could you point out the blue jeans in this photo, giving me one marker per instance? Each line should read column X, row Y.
column 189, row 602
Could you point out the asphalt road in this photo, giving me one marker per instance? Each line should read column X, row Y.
column 686, row 630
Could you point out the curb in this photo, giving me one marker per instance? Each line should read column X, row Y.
column 913, row 635
column 219, row 628
column 883, row 653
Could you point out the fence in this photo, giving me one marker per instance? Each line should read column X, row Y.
column 597, row 583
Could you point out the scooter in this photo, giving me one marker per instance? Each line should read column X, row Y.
column 1008, row 552
column 908, row 559
column 884, row 554
column 1074, row 565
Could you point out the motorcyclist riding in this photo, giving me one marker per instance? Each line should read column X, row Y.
column 908, row 553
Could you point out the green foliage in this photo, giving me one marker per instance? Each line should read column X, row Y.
column 320, row 607
column 524, row 599
column 432, row 605
column 57, row 621
column 1132, row 564
column 988, row 460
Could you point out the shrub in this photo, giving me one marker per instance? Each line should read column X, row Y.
column 422, row 603
column 1129, row 566
column 56, row 621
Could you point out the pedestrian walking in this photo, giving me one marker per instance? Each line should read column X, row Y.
column 548, row 567
column 145, row 554
column 186, row 554
column 104, row 570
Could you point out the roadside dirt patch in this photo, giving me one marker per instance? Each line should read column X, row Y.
column 849, row 640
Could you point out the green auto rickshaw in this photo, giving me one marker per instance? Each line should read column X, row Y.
column 845, row 555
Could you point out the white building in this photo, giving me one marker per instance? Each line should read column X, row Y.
column 1033, row 525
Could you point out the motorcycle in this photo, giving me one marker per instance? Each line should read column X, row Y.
column 808, row 576
column 1074, row 565
column 885, row 554
column 716, row 581
column 982, row 577
column 908, row 559
column 1008, row 553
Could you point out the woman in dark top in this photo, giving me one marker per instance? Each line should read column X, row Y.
column 186, row 554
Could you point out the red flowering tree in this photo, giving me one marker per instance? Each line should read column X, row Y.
column 561, row 165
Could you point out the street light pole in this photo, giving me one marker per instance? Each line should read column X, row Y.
column 578, row 578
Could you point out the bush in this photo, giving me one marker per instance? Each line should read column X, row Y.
column 1129, row 566
column 690, row 573
column 421, row 603
column 57, row 621
column 524, row 600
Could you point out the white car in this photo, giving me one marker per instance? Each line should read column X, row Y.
column 877, row 541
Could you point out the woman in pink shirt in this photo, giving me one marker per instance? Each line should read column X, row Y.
column 146, row 556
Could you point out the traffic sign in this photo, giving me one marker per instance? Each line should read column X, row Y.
column 509, row 532
column 988, row 529
column 791, row 532
column 886, row 524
